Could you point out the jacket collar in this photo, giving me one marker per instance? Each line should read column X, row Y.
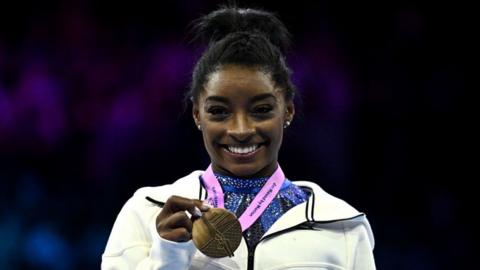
column 320, row 207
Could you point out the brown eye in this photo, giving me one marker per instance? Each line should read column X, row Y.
column 263, row 109
column 217, row 111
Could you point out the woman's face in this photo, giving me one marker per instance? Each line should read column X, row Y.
column 241, row 115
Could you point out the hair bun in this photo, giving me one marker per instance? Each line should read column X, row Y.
column 218, row 24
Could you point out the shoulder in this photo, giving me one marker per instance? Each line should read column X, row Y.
column 138, row 210
column 138, row 206
column 133, row 225
column 187, row 186
column 324, row 208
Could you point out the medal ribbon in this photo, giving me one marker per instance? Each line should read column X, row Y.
column 259, row 203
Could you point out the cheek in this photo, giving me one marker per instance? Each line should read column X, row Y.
column 211, row 134
column 278, row 130
column 278, row 136
column 274, row 130
column 207, row 142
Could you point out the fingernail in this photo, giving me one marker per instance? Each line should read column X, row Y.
column 197, row 212
column 205, row 206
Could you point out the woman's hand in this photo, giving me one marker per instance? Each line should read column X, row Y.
column 173, row 223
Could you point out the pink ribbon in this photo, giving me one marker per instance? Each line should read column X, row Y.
column 259, row 203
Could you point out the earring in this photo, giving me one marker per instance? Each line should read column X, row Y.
column 199, row 127
column 287, row 123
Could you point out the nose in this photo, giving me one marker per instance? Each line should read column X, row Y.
column 240, row 128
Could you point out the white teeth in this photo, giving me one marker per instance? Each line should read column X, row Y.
column 242, row 150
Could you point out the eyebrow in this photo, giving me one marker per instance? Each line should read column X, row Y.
column 254, row 99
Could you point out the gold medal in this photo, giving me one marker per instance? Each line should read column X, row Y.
column 217, row 233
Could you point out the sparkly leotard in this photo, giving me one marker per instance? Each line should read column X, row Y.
column 240, row 192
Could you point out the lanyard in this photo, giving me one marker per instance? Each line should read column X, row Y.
column 259, row 203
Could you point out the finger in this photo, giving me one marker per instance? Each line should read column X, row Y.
column 207, row 205
column 177, row 203
column 177, row 235
column 202, row 205
column 178, row 220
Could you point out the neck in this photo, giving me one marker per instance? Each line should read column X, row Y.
column 266, row 171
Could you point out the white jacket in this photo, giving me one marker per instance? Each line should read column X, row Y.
column 321, row 233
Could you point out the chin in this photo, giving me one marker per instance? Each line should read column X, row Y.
column 244, row 170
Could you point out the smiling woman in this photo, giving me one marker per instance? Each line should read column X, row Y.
column 242, row 206
column 242, row 114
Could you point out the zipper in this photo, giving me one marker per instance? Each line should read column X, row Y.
column 251, row 254
column 251, row 250
column 302, row 226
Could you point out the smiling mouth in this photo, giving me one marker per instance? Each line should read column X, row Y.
column 242, row 149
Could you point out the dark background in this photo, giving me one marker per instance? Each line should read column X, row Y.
column 90, row 110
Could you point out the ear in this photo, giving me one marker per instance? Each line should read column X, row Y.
column 196, row 114
column 289, row 110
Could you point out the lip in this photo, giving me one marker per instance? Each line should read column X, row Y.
column 243, row 156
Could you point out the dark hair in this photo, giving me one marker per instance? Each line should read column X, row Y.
column 247, row 37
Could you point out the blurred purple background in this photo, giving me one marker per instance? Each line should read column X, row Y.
column 90, row 110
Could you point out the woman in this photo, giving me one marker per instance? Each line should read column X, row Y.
column 242, row 100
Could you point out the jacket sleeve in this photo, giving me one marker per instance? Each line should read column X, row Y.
column 135, row 244
column 360, row 245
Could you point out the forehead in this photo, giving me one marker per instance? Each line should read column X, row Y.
column 239, row 83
